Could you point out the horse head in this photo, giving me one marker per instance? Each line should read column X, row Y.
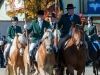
column 48, row 40
column 78, row 35
column 20, row 42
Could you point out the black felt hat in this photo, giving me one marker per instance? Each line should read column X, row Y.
column 70, row 6
column 40, row 12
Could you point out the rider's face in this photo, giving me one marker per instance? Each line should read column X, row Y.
column 51, row 19
column 14, row 23
column 70, row 11
column 89, row 21
column 40, row 17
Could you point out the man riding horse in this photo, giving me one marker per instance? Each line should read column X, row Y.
column 66, row 22
column 37, row 27
column 10, row 36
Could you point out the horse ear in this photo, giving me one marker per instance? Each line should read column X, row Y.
column 45, row 29
column 73, row 24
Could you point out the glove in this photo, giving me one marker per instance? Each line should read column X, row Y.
column 25, row 26
column 12, row 40
column 89, row 37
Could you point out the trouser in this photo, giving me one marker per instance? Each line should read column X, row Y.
column 7, row 50
column 32, row 46
column 6, row 53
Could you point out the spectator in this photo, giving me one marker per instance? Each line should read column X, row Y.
column 4, row 39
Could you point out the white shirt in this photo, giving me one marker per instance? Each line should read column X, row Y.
column 89, row 25
column 14, row 27
column 52, row 24
column 40, row 24
column 71, row 18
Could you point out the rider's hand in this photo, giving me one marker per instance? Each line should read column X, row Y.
column 12, row 40
column 25, row 26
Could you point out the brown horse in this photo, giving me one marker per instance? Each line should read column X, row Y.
column 46, row 57
column 15, row 60
column 75, row 53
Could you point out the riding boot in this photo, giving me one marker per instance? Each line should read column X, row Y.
column 6, row 58
column 59, row 58
column 31, row 64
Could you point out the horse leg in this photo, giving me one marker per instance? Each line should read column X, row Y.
column 7, row 69
column 18, row 71
column 15, row 69
column 94, row 67
column 80, row 71
column 36, row 69
column 70, row 70
column 23, row 71
column 67, row 72
column 42, row 72
column 84, row 71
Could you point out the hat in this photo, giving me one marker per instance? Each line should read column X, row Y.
column 51, row 15
column 70, row 6
column 40, row 12
column 90, row 18
column 14, row 18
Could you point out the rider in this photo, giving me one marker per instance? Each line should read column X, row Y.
column 90, row 29
column 52, row 22
column 91, row 32
column 37, row 27
column 65, row 22
column 10, row 36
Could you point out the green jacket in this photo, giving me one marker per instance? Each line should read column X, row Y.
column 11, row 32
column 92, row 31
column 37, row 32
column 66, row 23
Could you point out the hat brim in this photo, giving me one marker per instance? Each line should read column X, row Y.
column 70, row 8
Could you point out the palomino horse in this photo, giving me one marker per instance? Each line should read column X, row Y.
column 46, row 57
column 94, row 55
column 15, row 59
column 75, row 53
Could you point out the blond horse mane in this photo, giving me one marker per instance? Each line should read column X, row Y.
column 48, row 33
column 20, row 37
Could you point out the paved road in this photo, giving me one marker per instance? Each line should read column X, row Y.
column 88, row 71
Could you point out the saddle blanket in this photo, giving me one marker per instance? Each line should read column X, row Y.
column 96, row 43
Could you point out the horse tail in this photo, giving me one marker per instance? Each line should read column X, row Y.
column 9, row 70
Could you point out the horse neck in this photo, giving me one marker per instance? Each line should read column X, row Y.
column 15, row 42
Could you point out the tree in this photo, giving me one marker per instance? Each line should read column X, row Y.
column 32, row 6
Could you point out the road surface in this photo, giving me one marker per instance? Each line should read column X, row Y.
column 88, row 71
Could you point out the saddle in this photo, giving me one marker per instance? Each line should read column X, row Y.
column 95, row 45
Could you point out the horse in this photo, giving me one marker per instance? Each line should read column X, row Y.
column 15, row 60
column 74, row 54
column 94, row 55
column 46, row 57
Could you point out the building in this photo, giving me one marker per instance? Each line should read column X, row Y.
column 82, row 7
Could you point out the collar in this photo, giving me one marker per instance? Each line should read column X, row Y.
column 40, row 21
